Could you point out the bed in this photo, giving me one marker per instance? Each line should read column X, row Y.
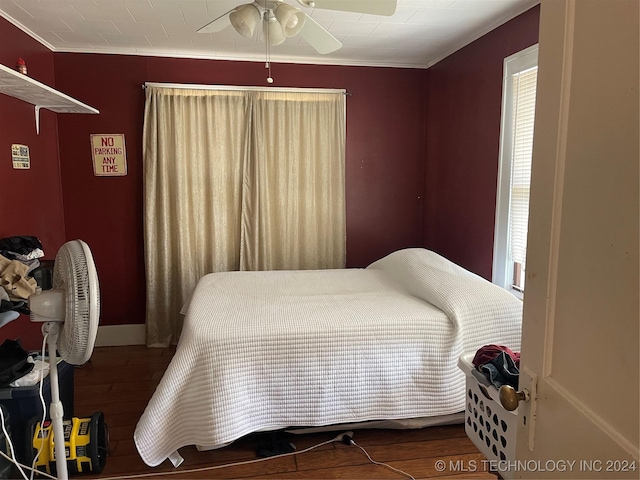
column 271, row 350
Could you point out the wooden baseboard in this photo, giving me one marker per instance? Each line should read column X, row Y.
column 119, row 335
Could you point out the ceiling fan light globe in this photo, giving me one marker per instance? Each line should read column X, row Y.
column 272, row 31
column 244, row 19
column 291, row 18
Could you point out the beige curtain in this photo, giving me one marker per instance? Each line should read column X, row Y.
column 294, row 215
column 237, row 180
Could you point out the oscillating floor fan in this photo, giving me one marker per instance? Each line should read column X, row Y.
column 70, row 312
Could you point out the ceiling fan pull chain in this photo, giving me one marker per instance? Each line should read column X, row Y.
column 268, row 47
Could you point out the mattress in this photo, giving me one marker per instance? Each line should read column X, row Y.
column 270, row 350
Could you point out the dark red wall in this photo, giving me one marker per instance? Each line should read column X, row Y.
column 386, row 115
column 31, row 199
column 464, row 107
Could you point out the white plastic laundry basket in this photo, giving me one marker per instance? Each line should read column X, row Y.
column 491, row 428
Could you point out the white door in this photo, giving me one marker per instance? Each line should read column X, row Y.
column 581, row 310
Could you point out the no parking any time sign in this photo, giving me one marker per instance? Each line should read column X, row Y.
column 109, row 155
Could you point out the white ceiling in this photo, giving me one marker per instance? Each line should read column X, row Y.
column 421, row 32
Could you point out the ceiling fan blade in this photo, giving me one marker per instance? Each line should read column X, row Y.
column 318, row 37
column 374, row 7
column 217, row 25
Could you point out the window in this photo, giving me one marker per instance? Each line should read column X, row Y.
column 514, row 175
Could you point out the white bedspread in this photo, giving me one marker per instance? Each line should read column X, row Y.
column 269, row 350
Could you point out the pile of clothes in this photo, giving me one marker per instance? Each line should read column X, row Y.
column 499, row 364
column 19, row 257
column 15, row 363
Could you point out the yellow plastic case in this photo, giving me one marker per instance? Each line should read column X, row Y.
column 86, row 441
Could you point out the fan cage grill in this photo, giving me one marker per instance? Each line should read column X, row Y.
column 74, row 272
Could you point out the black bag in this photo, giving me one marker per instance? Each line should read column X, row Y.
column 13, row 362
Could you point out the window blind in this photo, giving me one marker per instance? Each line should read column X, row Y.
column 524, row 101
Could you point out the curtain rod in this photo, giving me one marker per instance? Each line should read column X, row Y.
column 188, row 86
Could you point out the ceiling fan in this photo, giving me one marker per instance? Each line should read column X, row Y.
column 281, row 20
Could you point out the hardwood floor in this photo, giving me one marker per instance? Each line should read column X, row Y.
column 120, row 380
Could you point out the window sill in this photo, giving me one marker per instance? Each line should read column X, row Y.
column 517, row 293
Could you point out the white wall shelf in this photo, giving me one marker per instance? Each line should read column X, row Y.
column 21, row 86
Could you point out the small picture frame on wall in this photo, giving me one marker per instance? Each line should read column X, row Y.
column 109, row 155
column 20, row 157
